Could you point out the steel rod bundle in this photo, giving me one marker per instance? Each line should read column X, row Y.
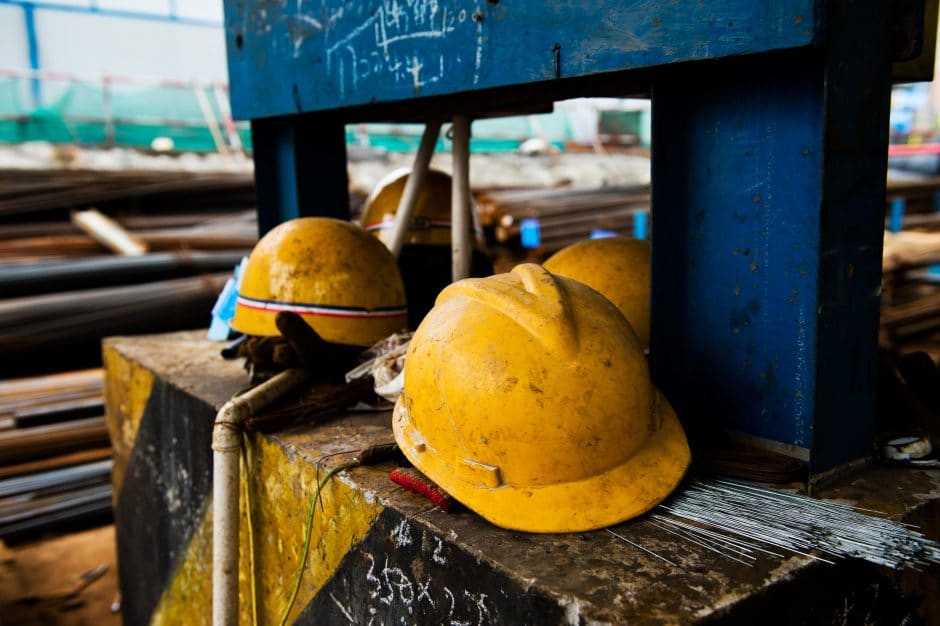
column 56, row 479
column 75, row 191
column 70, row 246
column 55, row 509
column 19, row 392
column 53, row 412
column 29, row 443
column 564, row 200
column 48, row 399
column 54, row 447
column 740, row 520
column 57, row 304
column 565, row 215
column 46, row 277
column 28, row 507
column 37, row 322
column 54, row 462
column 133, row 222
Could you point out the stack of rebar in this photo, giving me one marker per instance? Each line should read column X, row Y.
column 62, row 289
column 64, row 286
column 168, row 211
column 910, row 313
column 55, row 455
column 565, row 214
column 39, row 191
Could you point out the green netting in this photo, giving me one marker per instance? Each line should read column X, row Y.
column 10, row 97
column 501, row 134
column 409, row 143
column 75, row 113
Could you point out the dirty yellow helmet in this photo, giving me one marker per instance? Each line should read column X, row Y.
column 425, row 259
column 430, row 221
column 617, row 267
column 528, row 399
column 343, row 282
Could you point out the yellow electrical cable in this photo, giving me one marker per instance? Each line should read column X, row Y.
column 251, row 532
column 307, row 533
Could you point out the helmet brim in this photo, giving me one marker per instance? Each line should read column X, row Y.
column 616, row 495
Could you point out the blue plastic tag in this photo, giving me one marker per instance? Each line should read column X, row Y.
column 531, row 232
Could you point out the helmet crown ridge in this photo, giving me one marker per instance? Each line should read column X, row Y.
column 533, row 298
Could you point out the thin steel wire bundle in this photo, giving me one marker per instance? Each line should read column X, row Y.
column 738, row 520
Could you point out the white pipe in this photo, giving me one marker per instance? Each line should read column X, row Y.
column 226, row 448
column 413, row 184
column 460, row 200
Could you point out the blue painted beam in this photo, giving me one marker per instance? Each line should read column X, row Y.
column 768, row 198
column 379, row 51
column 737, row 178
column 300, row 169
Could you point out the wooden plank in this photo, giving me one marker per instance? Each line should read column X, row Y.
column 109, row 233
column 908, row 249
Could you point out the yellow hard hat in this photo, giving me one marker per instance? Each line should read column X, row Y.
column 430, row 221
column 528, row 399
column 343, row 282
column 617, row 267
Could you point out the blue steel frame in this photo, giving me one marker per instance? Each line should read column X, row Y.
column 770, row 122
column 32, row 43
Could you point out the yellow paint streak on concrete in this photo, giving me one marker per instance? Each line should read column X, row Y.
column 127, row 388
column 281, row 490
column 188, row 597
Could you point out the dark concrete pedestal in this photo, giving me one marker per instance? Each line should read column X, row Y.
column 381, row 555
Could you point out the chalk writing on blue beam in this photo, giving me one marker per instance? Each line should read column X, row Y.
column 388, row 32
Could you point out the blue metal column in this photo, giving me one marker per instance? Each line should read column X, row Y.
column 300, row 168
column 32, row 42
column 768, row 196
